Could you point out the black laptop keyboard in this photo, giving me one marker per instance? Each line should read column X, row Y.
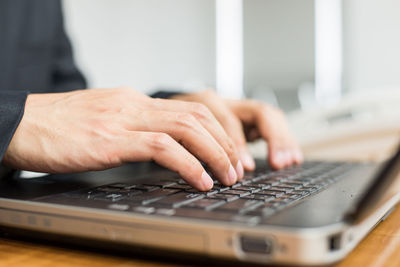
column 260, row 194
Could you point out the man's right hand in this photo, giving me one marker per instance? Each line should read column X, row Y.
column 104, row 128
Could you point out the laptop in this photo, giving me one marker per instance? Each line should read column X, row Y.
column 312, row 214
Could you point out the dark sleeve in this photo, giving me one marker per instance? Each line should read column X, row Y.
column 165, row 94
column 12, row 106
column 66, row 76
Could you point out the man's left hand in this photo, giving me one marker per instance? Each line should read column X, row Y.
column 249, row 120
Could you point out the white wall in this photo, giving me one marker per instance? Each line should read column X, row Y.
column 371, row 44
column 144, row 43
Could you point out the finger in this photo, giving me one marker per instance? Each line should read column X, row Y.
column 163, row 149
column 185, row 129
column 233, row 128
column 271, row 125
column 231, row 125
column 210, row 123
column 283, row 149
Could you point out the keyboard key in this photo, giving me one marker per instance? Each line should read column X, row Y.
column 149, row 197
column 179, row 186
column 295, row 196
column 179, row 199
column 289, row 186
column 225, row 197
column 114, row 197
column 299, row 192
column 208, row 193
column 108, row 189
column 206, row 203
column 294, row 182
column 260, row 186
column 166, row 212
column 117, row 206
column 262, row 197
column 250, row 189
column 221, row 187
column 280, row 189
column 117, row 185
column 239, row 193
column 270, row 182
column 271, row 193
column 248, row 176
column 92, row 194
column 143, row 187
column 105, row 196
column 145, row 210
column 162, row 182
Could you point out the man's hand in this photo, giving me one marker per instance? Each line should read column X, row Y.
column 249, row 119
column 104, row 128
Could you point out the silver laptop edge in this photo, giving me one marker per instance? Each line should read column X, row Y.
column 289, row 245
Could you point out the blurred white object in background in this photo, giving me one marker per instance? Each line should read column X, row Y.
column 365, row 125
column 367, row 116
column 229, row 48
column 328, row 51
column 306, row 95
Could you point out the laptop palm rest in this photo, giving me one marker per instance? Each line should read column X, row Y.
column 329, row 206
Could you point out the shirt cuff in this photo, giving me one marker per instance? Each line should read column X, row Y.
column 12, row 105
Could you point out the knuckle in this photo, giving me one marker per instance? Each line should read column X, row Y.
column 230, row 147
column 110, row 158
column 254, row 103
column 232, row 123
column 223, row 161
column 220, row 157
column 124, row 89
column 106, row 153
column 121, row 95
column 160, row 141
column 185, row 121
column 201, row 111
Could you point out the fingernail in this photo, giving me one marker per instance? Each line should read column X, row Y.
column 299, row 156
column 239, row 170
column 280, row 158
column 288, row 157
column 232, row 176
column 247, row 161
column 207, row 181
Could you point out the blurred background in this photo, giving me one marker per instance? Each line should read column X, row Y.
column 332, row 65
